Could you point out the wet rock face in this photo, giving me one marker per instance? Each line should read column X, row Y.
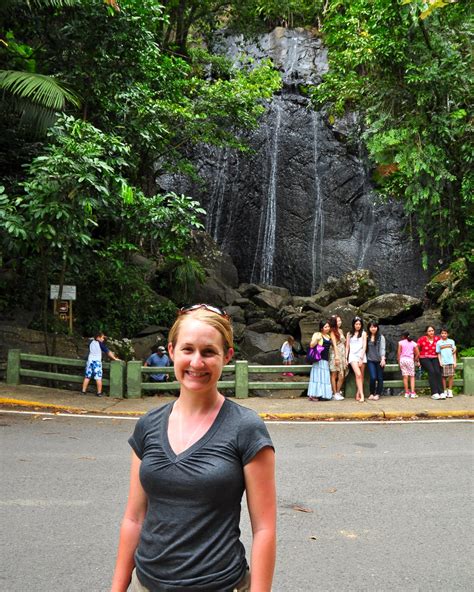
column 300, row 208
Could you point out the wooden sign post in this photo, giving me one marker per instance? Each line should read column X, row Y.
column 62, row 307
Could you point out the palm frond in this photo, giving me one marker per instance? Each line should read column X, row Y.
column 38, row 88
column 4, row 4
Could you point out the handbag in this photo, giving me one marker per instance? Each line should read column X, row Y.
column 314, row 354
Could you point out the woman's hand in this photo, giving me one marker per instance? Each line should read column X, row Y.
column 259, row 476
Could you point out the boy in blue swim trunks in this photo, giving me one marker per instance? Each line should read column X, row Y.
column 94, row 362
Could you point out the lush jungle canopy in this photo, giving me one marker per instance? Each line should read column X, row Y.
column 100, row 97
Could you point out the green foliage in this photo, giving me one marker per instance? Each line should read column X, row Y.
column 459, row 312
column 257, row 15
column 82, row 202
column 410, row 78
column 40, row 89
column 117, row 300
column 122, row 348
column 77, row 210
column 180, row 278
column 468, row 352
column 34, row 96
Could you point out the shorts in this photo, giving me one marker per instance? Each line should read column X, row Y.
column 288, row 359
column 448, row 370
column 94, row 370
column 407, row 366
column 137, row 586
column 356, row 358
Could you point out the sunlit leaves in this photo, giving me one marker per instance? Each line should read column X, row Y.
column 410, row 79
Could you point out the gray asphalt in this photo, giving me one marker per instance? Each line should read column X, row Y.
column 384, row 507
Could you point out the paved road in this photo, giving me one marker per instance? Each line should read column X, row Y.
column 390, row 506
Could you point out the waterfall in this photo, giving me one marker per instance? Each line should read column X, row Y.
column 234, row 189
column 318, row 220
column 216, row 200
column 268, row 218
column 330, row 218
column 366, row 235
column 291, row 55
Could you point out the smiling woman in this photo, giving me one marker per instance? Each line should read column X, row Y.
column 192, row 460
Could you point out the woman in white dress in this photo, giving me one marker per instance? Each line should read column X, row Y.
column 356, row 347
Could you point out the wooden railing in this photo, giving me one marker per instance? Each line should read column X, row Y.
column 238, row 377
column 55, row 370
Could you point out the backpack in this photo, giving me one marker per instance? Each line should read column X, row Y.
column 314, row 354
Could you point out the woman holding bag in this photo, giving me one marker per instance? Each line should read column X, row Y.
column 320, row 379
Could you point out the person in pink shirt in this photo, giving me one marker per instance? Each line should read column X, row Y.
column 407, row 356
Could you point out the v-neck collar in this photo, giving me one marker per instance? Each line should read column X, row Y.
column 199, row 443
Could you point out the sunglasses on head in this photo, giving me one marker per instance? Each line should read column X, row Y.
column 214, row 309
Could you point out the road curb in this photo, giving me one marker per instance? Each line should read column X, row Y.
column 310, row 416
column 36, row 405
column 376, row 415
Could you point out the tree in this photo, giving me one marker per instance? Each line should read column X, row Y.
column 76, row 205
column 409, row 77
column 35, row 96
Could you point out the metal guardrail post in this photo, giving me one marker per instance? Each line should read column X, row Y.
column 468, row 375
column 241, row 379
column 117, row 373
column 13, row 366
column 134, row 379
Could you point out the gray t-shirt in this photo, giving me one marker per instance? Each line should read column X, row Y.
column 189, row 540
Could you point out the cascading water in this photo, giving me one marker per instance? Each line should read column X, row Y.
column 299, row 206
column 268, row 220
column 216, row 200
column 230, row 219
column 318, row 221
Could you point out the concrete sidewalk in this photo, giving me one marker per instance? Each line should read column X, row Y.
column 297, row 408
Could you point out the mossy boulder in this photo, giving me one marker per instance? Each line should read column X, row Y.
column 448, row 281
column 359, row 284
column 344, row 308
column 392, row 308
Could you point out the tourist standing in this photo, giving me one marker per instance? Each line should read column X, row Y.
column 192, row 460
column 430, row 363
column 375, row 359
column 94, row 362
column 319, row 380
column 337, row 357
column 356, row 347
column 407, row 357
column 287, row 354
column 446, row 350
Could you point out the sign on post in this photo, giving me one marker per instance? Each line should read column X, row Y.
column 63, row 307
column 69, row 292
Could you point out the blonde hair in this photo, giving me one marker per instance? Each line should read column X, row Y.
column 212, row 319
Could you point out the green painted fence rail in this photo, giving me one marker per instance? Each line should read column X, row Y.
column 16, row 370
column 136, row 386
column 241, row 382
column 238, row 377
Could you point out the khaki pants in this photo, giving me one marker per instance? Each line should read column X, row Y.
column 136, row 586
